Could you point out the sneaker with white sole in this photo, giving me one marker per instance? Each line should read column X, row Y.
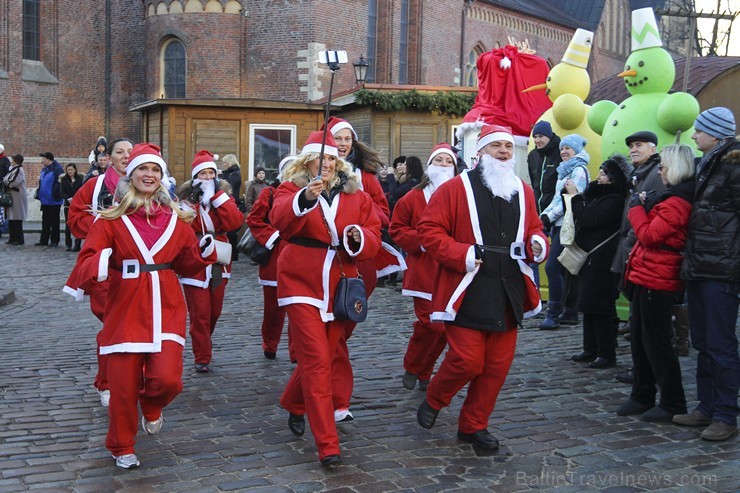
column 128, row 461
column 104, row 397
column 152, row 427
column 342, row 416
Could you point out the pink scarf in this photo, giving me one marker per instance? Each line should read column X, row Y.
column 151, row 227
column 111, row 179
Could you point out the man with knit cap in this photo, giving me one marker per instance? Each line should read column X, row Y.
column 543, row 162
column 483, row 229
column 711, row 267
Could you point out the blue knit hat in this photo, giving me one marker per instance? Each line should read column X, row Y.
column 718, row 122
column 574, row 141
column 542, row 128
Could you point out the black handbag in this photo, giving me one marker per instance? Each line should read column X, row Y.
column 350, row 300
column 6, row 200
column 249, row 246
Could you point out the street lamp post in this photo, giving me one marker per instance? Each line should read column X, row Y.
column 360, row 70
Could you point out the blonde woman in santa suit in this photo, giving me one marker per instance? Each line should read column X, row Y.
column 216, row 213
column 428, row 339
column 324, row 220
column 142, row 243
column 365, row 162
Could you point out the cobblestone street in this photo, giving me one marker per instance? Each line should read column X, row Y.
column 226, row 431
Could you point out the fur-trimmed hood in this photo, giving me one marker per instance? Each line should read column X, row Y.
column 347, row 181
column 186, row 189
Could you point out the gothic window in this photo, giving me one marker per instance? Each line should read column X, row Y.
column 372, row 38
column 31, row 30
column 471, row 70
column 403, row 64
column 174, row 70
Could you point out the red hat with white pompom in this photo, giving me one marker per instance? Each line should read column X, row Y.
column 313, row 144
column 493, row 133
column 203, row 160
column 145, row 153
column 335, row 124
column 442, row 148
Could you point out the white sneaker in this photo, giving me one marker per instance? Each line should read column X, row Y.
column 342, row 416
column 152, row 427
column 128, row 461
column 104, row 397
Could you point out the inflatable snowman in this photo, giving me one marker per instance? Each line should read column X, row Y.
column 648, row 74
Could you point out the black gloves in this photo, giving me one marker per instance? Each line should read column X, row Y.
column 635, row 200
column 196, row 193
column 546, row 221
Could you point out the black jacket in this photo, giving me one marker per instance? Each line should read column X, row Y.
column 597, row 213
column 70, row 186
column 713, row 243
column 543, row 164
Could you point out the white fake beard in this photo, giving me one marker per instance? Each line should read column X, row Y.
column 498, row 177
column 439, row 174
column 208, row 191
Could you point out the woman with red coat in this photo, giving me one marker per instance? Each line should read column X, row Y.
column 329, row 226
column 428, row 339
column 273, row 315
column 653, row 268
column 216, row 213
column 142, row 243
column 365, row 162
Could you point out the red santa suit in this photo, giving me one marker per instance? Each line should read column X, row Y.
column 428, row 339
column 307, row 278
column 144, row 327
column 273, row 315
column 93, row 196
column 449, row 229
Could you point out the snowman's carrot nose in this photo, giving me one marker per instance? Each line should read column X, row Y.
column 628, row 73
column 535, row 88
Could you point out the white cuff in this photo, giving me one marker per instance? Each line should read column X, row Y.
column 296, row 208
column 103, row 262
column 543, row 243
column 470, row 259
column 345, row 240
column 209, row 249
column 219, row 199
column 272, row 239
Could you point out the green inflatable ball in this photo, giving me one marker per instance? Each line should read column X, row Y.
column 677, row 112
column 598, row 114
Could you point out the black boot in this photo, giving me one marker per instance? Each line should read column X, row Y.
column 69, row 245
column 78, row 245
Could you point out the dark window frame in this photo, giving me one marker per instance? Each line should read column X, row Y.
column 32, row 30
column 403, row 50
column 372, row 39
column 175, row 68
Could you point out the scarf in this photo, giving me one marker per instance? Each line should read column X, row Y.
column 566, row 167
column 151, row 227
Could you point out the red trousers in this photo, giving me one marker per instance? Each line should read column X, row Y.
column 273, row 319
column 152, row 380
column 98, row 295
column 343, row 378
column 481, row 358
column 309, row 389
column 204, row 307
column 426, row 343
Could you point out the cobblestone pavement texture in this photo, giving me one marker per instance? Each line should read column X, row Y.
column 226, row 431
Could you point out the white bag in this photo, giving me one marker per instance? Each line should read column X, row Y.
column 223, row 251
column 568, row 228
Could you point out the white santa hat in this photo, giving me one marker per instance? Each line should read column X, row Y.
column 2, row 148
column 645, row 32
column 492, row 133
column 203, row 160
column 442, row 148
column 145, row 153
column 283, row 163
column 335, row 124
column 313, row 144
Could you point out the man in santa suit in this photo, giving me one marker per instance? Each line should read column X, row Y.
column 216, row 213
column 97, row 195
column 483, row 229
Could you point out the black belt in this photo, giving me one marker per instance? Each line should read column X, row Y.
column 496, row 249
column 312, row 243
column 153, row 267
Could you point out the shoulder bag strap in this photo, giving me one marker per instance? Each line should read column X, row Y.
column 602, row 243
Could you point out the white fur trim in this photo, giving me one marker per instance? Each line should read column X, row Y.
column 543, row 243
column 296, row 208
column 202, row 166
column 168, row 336
column 493, row 137
column 470, row 259
column 194, row 282
column 341, row 125
column 103, row 264
column 220, row 199
column 146, row 158
column 77, row 294
column 417, row 294
column 210, row 248
column 272, row 239
column 265, row 282
column 96, row 193
column 316, row 147
column 345, row 240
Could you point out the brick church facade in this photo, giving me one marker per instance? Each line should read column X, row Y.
column 71, row 71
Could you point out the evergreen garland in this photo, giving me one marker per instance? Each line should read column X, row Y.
column 449, row 103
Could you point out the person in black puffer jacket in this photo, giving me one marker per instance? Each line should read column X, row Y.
column 712, row 268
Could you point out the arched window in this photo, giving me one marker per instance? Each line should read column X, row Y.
column 471, row 70
column 31, row 30
column 174, row 69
